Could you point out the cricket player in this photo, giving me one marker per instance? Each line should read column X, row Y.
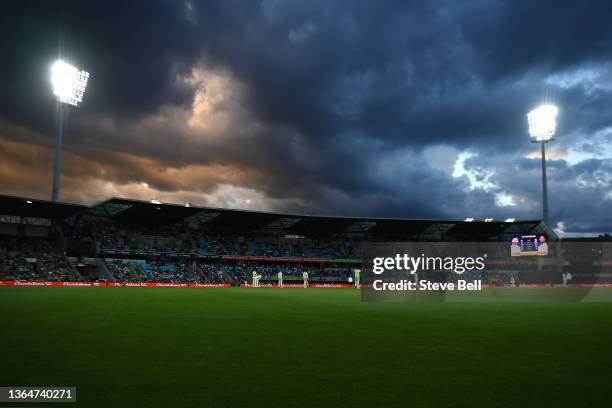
column 566, row 278
column 256, row 279
column 515, row 248
column 305, row 277
column 280, row 279
column 542, row 246
column 357, row 273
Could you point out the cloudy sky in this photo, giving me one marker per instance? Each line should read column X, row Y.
column 377, row 108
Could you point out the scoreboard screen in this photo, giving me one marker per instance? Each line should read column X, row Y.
column 529, row 245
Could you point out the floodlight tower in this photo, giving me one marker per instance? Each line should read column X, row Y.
column 69, row 87
column 542, row 123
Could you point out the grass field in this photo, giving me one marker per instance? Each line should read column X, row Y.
column 231, row 347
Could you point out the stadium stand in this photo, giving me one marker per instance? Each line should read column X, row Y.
column 137, row 241
column 33, row 259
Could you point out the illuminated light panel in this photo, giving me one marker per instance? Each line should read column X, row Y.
column 68, row 83
column 542, row 123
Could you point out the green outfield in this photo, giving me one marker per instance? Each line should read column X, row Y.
column 231, row 347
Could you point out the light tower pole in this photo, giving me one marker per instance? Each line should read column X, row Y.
column 69, row 87
column 57, row 165
column 542, row 123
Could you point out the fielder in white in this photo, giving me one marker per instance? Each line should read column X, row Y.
column 357, row 273
column 280, row 279
column 305, row 277
column 256, row 279
column 566, row 278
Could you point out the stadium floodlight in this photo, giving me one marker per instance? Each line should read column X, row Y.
column 488, row 220
column 28, row 201
column 469, row 220
column 69, row 85
column 510, row 220
column 542, row 123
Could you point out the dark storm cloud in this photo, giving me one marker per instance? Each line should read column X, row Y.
column 334, row 107
column 513, row 37
column 133, row 50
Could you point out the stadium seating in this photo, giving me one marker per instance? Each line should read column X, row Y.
column 33, row 259
column 134, row 241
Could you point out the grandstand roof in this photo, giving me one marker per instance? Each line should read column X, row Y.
column 126, row 209
column 121, row 208
column 146, row 211
column 30, row 207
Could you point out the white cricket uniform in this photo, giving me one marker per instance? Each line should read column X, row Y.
column 280, row 279
column 566, row 278
column 357, row 273
column 256, row 278
column 305, row 277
